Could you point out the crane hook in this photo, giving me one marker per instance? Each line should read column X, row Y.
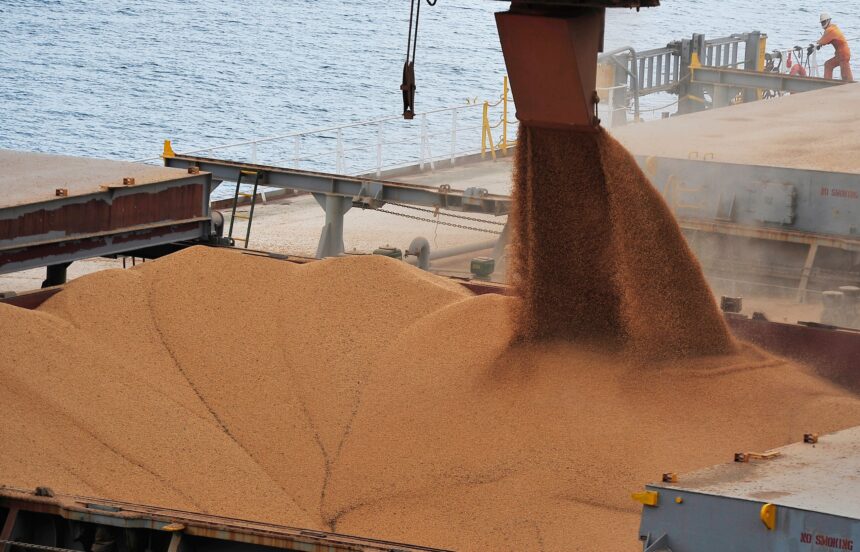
column 407, row 87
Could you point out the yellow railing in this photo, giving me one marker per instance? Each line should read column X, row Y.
column 487, row 142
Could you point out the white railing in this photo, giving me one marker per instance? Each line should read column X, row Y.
column 367, row 147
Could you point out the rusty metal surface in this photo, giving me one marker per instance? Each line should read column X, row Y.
column 845, row 243
column 76, row 248
column 833, row 354
column 103, row 212
column 125, row 514
column 552, row 66
column 167, row 205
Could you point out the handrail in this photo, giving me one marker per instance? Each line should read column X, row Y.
column 319, row 130
column 634, row 74
column 487, row 132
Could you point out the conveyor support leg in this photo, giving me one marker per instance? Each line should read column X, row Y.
column 500, row 250
column 55, row 275
column 331, row 237
column 807, row 271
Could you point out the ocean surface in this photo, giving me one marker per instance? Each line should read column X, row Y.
column 114, row 78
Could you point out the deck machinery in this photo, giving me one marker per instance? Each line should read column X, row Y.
column 795, row 498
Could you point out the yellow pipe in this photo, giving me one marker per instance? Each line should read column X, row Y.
column 759, row 66
column 484, row 124
column 505, row 117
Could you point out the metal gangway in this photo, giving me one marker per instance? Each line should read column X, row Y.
column 702, row 73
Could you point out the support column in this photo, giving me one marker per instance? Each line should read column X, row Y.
column 807, row 270
column 55, row 275
column 752, row 55
column 175, row 542
column 720, row 96
column 331, row 237
column 690, row 96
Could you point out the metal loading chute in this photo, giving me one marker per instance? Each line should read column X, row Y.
column 550, row 49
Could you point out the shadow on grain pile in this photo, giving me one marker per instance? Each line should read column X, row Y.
column 364, row 396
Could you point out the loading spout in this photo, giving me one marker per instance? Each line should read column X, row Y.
column 550, row 49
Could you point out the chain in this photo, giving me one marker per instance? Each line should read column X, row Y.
column 443, row 223
column 36, row 546
column 436, row 213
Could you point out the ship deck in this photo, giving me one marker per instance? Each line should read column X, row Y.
column 814, row 131
column 29, row 177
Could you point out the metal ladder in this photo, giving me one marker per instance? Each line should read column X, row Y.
column 258, row 177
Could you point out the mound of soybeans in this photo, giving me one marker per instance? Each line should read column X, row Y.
column 364, row 396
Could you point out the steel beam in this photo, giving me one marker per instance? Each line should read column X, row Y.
column 372, row 192
column 807, row 270
column 736, row 78
column 770, row 234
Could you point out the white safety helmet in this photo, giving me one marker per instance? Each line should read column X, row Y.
column 825, row 19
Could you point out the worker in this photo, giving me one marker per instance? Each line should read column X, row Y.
column 833, row 35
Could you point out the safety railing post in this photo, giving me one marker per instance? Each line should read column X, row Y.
column 339, row 153
column 453, row 135
column 297, row 147
column 611, row 107
column 421, row 144
column 379, row 141
column 487, row 134
column 505, row 117
column 485, row 128
column 254, row 152
column 426, row 153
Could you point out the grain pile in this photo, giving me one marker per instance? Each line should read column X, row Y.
column 364, row 396
column 598, row 257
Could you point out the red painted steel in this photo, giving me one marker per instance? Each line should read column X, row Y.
column 101, row 214
column 130, row 235
column 552, row 66
column 31, row 300
column 834, row 354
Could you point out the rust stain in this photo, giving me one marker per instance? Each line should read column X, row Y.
column 99, row 215
column 73, row 246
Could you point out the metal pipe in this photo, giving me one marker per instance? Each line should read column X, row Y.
column 461, row 249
